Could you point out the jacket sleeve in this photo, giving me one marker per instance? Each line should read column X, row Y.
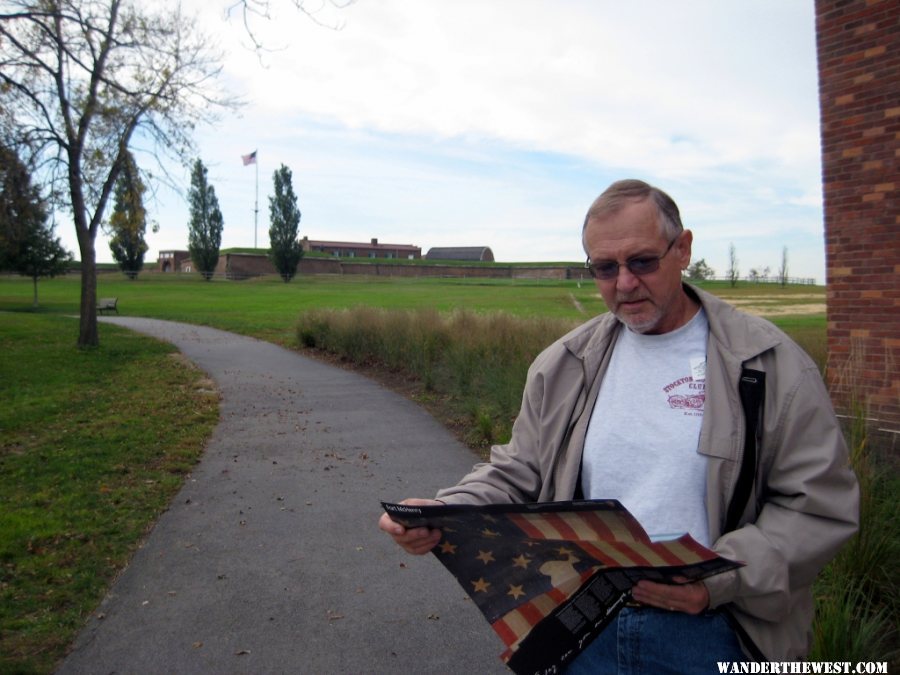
column 808, row 504
column 517, row 470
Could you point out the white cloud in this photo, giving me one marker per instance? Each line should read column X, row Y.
column 497, row 123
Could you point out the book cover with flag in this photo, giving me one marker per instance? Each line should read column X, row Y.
column 549, row 577
column 249, row 159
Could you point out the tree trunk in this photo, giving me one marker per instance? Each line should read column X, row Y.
column 35, row 301
column 87, row 329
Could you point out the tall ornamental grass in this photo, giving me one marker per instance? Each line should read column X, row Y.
column 478, row 362
column 858, row 594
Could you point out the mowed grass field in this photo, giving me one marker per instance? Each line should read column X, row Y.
column 84, row 471
column 268, row 308
column 93, row 446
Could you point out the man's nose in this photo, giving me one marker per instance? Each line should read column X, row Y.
column 626, row 280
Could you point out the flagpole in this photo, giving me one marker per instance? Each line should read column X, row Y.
column 256, row 203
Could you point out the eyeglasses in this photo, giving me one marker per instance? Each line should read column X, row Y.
column 638, row 266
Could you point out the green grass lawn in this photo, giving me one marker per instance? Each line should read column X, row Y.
column 268, row 308
column 93, row 445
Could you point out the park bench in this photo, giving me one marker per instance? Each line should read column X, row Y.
column 107, row 304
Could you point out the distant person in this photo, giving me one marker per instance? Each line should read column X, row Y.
column 642, row 405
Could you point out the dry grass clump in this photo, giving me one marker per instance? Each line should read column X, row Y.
column 478, row 361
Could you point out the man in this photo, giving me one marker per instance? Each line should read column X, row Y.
column 641, row 404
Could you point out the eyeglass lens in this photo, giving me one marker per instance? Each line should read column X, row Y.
column 637, row 266
column 609, row 269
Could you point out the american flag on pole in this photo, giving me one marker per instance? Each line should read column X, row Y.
column 549, row 577
column 249, row 159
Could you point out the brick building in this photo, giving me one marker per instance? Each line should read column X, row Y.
column 170, row 261
column 351, row 249
column 858, row 45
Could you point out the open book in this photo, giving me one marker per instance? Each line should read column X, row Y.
column 549, row 577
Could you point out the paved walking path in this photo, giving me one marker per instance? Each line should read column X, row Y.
column 269, row 560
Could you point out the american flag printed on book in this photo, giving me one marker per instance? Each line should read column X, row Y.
column 549, row 577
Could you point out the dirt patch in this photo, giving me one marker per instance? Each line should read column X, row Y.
column 773, row 298
column 578, row 306
column 782, row 310
column 779, row 305
column 204, row 385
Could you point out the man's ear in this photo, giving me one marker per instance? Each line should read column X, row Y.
column 683, row 248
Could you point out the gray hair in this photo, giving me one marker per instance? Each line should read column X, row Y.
column 622, row 192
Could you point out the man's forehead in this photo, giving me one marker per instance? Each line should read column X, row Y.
column 629, row 209
column 635, row 225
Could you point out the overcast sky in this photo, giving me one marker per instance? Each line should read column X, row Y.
column 497, row 122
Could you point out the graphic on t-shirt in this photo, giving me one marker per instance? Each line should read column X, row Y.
column 688, row 393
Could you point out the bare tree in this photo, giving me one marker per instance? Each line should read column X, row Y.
column 252, row 10
column 783, row 270
column 80, row 81
column 733, row 271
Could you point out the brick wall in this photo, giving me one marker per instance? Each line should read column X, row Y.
column 243, row 266
column 859, row 95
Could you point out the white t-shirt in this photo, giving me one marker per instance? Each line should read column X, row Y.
column 641, row 443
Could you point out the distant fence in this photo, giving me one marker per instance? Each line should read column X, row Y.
column 799, row 281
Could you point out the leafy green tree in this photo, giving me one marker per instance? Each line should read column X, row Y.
column 700, row 271
column 128, row 222
column 27, row 244
column 79, row 80
column 205, row 226
column 286, row 251
column 21, row 207
column 41, row 255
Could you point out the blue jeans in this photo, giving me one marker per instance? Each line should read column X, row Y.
column 652, row 641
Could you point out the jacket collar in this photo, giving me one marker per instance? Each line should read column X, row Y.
column 744, row 338
column 737, row 333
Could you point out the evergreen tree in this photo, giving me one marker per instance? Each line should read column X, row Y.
column 205, row 226
column 128, row 222
column 21, row 207
column 41, row 255
column 27, row 244
column 286, row 251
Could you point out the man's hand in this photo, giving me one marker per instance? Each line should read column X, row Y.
column 691, row 598
column 419, row 540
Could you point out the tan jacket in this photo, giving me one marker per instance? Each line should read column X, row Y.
column 805, row 498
